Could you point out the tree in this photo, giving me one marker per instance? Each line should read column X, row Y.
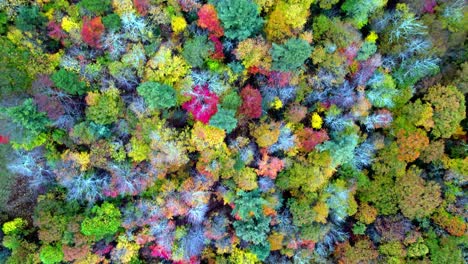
column 105, row 220
column 383, row 90
column 265, row 134
column 96, row 7
column 382, row 194
column 253, row 53
column 251, row 102
column 453, row 224
column 287, row 18
column 69, row 82
column 14, row 72
column 197, row 50
column 51, row 254
column 240, row 18
column 29, row 18
column 165, row 68
column 105, row 107
column 308, row 138
column 224, row 119
column 157, row 95
column 291, row 55
column 411, row 144
column 417, row 198
column 363, row 251
column 269, row 166
column 203, row 103
column 208, row 18
column 449, row 109
column 92, row 31
column 32, row 123
column 252, row 225
column 360, row 10
column 305, row 178
column 112, row 22
column 14, row 227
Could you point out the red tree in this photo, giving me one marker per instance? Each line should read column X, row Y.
column 208, row 18
column 55, row 31
column 251, row 102
column 141, row 6
column 218, row 48
column 92, row 31
column 203, row 103
column 308, row 138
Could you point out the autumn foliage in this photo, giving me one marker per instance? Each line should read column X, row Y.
column 92, row 31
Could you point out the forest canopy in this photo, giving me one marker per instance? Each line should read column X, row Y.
column 233, row 131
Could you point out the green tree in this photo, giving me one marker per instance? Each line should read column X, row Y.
column 32, row 122
column 112, row 22
column 51, row 254
column 231, row 101
column 253, row 225
column 224, row 119
column 98, row 7
column 360, row 10
column 449, row 109
column 197, row 50
column 240, row 18
column 104, row 108
column 29, row 18
column 14, row 75
column 382, row 194
column 157, row 95
column 105, row 221
column 417, row 198
column 291, row 55
column 69, row 82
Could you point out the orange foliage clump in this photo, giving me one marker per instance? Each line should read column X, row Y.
column 269, row 166
column 411, row 144
column 92, row 31
column 208, row 19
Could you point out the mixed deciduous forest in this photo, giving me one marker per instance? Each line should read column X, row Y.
column 233, row 131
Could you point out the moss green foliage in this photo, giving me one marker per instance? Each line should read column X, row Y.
column 69, row 82
column 3, row 22
column 359, row 228
column 104, row 108
column 157, row 95
column 112, row 22
column 307, row 178
column 97, row 7
column 197, row 50
column 240, row 18
column 105, row 220
column 231, row 101
column 367, row 49
column 291, row 55
column 449, row 109
column 14, row 74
